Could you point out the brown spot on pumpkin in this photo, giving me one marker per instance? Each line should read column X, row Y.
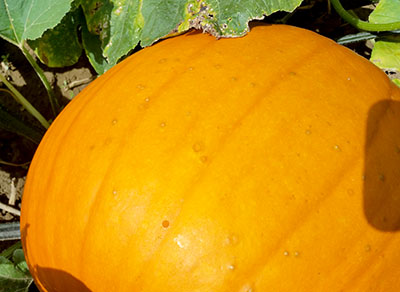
column 165, row 224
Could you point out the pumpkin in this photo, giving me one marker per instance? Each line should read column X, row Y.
column 269, row 162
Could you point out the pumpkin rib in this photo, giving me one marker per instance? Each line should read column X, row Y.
column 220, row 146
column 39, row 154
column 132, row 125
column 364, row 272
column 267, row 186
column 300, row 222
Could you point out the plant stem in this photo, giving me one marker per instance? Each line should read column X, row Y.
column 53, row 101
column 25, row 103
column 7, row 253
column 360, row 24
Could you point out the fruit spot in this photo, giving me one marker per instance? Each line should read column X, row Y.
column 181, row 241
column 165, row 224
column 198, row 146
column 247, row 288
column 204, row 159
column 231, row 240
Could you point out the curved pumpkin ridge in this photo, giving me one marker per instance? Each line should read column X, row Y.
column 147, row 272
column 154, row 265
column 150, row 99
column 219, row 148
column 36, row 206
column 56, row 234
column 248, row 226
column 175, row 155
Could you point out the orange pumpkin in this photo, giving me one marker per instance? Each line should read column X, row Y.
column 269, row 162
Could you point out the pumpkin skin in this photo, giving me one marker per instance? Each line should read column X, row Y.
column 263, row 163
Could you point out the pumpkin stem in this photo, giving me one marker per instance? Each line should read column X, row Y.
column 360, row 24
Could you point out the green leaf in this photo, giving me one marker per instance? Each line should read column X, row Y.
column 387, row 11
column 14, row 276
column 28, row 19
column 92, row 46
column 122, row 24
column 117, row 22
column 396, row 81
column 60, row 46
column 219, row 17
column 386, row 53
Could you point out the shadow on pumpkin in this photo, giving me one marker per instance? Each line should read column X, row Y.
column 56, row 280
column 382, row 166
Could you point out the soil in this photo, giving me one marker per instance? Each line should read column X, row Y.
column 16, row 152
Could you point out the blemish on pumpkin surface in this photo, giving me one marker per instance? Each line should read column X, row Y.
column 163, row 124
column 204, row 159
column 114, row 121
column 181, row 241
column 165, row 224
column 230, row 267
column 198, row 146
column 231, row 240
column 337, row 148
column 247, row 288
